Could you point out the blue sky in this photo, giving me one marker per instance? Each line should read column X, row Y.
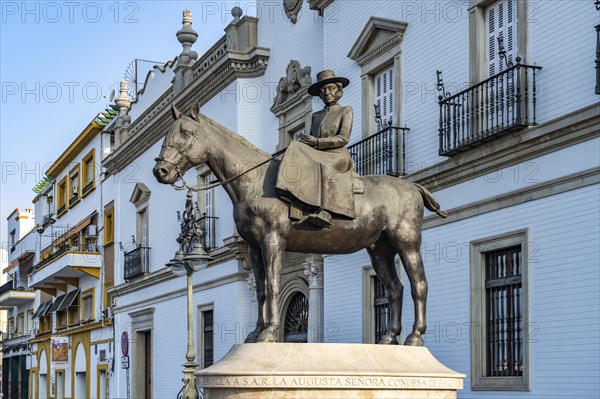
column 58, row 62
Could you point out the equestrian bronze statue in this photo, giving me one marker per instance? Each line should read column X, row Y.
column 387, row 220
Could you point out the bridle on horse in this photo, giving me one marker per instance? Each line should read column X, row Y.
column 214, row 183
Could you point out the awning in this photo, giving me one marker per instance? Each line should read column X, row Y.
column 42, row 309
column 74, row 230
column 56, row 303
column 68, row 300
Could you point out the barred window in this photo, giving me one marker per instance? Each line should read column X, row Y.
column 207, row 334
column 504, row 308
column 382, row 308
column 499, row 313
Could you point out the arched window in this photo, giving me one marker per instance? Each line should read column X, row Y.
column 296, row 319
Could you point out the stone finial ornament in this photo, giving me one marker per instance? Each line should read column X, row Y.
column 236, row 13
column 187, row 36
column 123, row 101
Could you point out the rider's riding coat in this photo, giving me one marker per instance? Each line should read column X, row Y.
column 322, row 176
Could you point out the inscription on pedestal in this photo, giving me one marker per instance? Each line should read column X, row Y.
column 349, row 382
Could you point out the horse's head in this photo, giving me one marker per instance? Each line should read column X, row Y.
column 179, row 150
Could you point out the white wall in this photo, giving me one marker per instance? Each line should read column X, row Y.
column 564, row 297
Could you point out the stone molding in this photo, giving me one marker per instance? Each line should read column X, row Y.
column 517, row 147
column 313, row 268
column 234, row 248
column 326, row 370
column 366, row 48
column 296, row 79
column 212, row 73
column 161, row 298
column 535, row 192
column 292, row 104
column 319, row 5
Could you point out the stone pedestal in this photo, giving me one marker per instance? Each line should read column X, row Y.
column 343, row 371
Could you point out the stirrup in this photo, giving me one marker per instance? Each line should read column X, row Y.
column 320, row 218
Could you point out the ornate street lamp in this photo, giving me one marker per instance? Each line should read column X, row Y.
column 189, row 258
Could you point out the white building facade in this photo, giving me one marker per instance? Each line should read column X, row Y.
column 505, row 135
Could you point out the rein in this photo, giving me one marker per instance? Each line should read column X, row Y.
column 214, row 183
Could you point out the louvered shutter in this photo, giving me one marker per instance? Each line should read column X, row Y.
column 501, row 21
column 384, row 95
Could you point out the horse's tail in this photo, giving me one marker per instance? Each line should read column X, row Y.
column 430, row 202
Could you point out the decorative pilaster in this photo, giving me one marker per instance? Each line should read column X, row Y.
column 123, row 102
column 187, row 36
column 313, row 268
column 252, row 288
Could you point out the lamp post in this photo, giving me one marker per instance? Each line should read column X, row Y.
column 189, row 258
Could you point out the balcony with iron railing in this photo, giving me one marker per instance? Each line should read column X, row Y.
column 12, row 294
column 381, row 153
column 500, row 104
column 70, row 261
column 136, row 262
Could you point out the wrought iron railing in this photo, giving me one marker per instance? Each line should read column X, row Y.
column 597, row 58
column 50, row 258
column 136, row 262
column 6, row 287
column 61, row 209
column 74, row 198
column 499, row 104
column 381, row 153
column 209, row 227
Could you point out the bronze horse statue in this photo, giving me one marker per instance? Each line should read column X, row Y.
column 388, row 220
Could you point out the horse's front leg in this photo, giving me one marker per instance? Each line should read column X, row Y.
column 258, row 267
column 272, row 252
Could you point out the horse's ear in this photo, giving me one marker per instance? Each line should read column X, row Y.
column 176, row 112
column 195, row 110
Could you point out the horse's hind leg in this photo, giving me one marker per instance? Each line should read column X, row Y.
column 413, row 264
column 382, row 258
column 259, row 275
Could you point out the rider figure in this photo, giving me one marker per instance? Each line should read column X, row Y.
column 330, row 132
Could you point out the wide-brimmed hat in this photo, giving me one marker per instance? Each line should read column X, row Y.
column 325, row 77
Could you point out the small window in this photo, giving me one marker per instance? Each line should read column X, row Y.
column 207, row 338
column 87, row 305
column 109, row 226
column 61, row 196
column 88, row 174
column 74, row 192
column 13, row 240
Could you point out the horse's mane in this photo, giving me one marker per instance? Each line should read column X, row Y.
column 242, row 140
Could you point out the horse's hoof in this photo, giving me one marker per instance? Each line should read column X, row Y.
column 414, row 339
column 253, row 336
column 266, row 336
column 388, row 340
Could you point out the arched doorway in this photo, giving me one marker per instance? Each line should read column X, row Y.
column 296, row 319
column 43, row 373
column 80, row 369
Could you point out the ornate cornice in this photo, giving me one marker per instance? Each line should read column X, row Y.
column 212, row 73
column 385, row 46
column 370, row 42
column 292, row 86
column 319, row 5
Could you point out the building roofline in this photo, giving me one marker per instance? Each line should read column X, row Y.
column 84, row 138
